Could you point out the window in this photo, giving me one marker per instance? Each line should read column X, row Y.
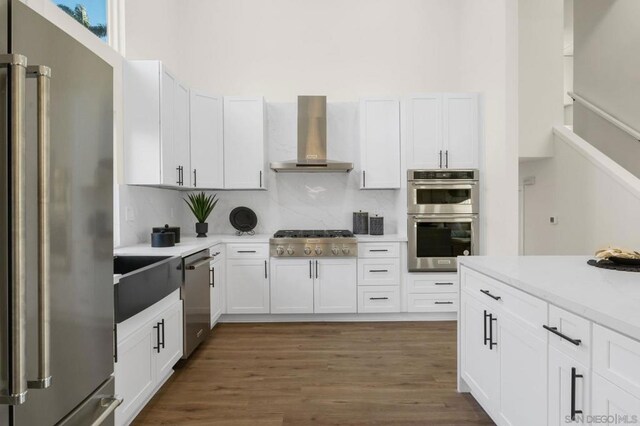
column 92, row 14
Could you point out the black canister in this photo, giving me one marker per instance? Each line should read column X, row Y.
column 163, row 239
column 167, row 228
column 360, row 222
column 376, row 225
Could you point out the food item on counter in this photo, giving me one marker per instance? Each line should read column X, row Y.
column 617, row 252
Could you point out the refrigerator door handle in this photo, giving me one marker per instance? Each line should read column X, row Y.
column 16, row 391
column 110, row 405
column 42, row 75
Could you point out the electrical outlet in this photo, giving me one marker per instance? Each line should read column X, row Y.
column 553, row 220
column 130, row 214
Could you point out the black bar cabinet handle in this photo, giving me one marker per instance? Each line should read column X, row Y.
column 555, row 331
column 486, row 339
column 378, row 298
column 488, row 293
column 378, row 270
column 491, row 342
column 310, row 273
column 162, row 322
column 265, row 269
column 316, row 269
column 157, row 327
column 211, row 278
column 195, row 178
column 246, row 251
column 574, row 376
column 443, row 303
column 378, row 250
column 444, row 283
column 178, row 169
column 260, row 179
column 446, row 156
column 364, row 179
column 440, row 166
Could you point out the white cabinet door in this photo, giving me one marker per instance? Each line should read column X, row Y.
column 523, row 373
column 291, row 286
column 423, row 123
column 182, row 155
column 135, row 372
column 207, row 153
column 461, row 129
column 335, row 286
column 247, row 286
column 380, row 143
column 565, row 374
column 170, row 174
column 217, row 281
column 244, row 139
column 480, row 362
column 170, row 340
column 609, row 400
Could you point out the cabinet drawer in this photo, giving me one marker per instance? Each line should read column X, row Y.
column 529, row 310
column 432, row 283
column 379, row 271
column 378, row 299
column 247, row 251
column 573, row 327
column 366, row 250
column 617, row 359
column 443, row 302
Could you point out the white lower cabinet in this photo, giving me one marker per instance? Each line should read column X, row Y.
column 568, row 389
column 432, row 292
column 335, row 286
column 522, row 372
column 291, row 286
column 217, row 277
column 612, row 404
column 378, row 298
column 479, row 361
column 247, row 286
column 149, row 345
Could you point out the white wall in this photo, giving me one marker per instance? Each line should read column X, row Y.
column 541, row 75
column 347, row 49
column 606, row 63
column 596, row 202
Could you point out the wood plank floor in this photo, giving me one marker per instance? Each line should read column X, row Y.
column 393, row 373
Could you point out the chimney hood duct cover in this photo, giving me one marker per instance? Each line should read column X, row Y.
column 312, row 140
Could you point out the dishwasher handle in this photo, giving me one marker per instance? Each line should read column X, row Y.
column 199, row 263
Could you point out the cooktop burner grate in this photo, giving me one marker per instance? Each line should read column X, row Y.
column 312, row 233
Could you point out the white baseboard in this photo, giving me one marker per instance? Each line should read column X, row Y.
column 404, row 316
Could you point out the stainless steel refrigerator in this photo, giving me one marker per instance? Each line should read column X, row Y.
column 56, row 192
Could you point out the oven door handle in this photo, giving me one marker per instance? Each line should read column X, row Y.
column 441, row 218
column 422, row 185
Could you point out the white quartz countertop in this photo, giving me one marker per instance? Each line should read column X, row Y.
column 609, row 298
column 188, row 245
column 391, row 238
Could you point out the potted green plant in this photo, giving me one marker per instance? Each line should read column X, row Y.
column 201, row 206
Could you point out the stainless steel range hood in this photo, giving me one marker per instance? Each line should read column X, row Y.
column 312, row 140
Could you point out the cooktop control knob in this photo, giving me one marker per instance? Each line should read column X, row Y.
column 280, row 251
column 307, row 250
column 345, row 250
column 335, row 251
column 318, row 250
column 290, row 251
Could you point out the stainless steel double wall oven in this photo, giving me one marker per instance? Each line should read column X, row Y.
column 442, row 218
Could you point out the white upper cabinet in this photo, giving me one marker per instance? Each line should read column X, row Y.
column 207, row 147
column 380, row 143
column 441, row 131
column 244, row 143
column 461, row 129
column 156, row 126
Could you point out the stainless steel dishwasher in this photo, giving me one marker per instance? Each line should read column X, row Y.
column 195, row 297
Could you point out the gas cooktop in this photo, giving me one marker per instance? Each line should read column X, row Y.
column 313, row 243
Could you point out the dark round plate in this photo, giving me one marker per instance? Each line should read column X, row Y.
column 624, row 261
column 243, row 219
